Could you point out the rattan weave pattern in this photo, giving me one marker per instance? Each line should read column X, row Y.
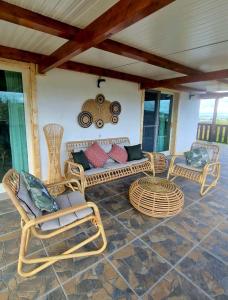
column 156, row 197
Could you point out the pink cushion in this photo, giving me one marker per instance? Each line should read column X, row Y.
column 118, row 154
column 96, row 155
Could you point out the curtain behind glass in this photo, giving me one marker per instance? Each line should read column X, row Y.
column 16, row 121
column 13, row 82
column 17, row 134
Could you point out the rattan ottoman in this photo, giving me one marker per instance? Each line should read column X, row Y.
column 156, row 197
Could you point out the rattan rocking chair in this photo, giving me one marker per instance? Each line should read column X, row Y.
column 201, row 176
column 41, row 226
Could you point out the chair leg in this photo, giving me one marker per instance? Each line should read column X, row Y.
column 206, row 187
column 45, row 262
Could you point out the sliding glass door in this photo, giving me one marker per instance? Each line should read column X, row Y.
column 150, row 121
column 13, row 142
column 157, row 121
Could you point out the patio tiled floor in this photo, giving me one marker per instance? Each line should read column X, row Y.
column 183, row 257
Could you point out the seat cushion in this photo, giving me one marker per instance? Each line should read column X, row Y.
column 94, row 171
column 115, row 166
column 64, row 201
column 96, row 155
column 118, row 154
column 189, row 167
column 39, row 193
column 138, row 161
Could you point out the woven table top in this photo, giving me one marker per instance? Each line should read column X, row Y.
column 157, row 185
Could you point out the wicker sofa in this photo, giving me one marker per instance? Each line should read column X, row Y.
column 111, row 170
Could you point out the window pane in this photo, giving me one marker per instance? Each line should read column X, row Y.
column 206, row 110
column 222, row 113
column 13, row 144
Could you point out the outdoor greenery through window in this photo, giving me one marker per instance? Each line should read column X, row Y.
column 13, row 144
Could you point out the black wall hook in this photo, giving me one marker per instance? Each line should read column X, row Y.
column 99, row 80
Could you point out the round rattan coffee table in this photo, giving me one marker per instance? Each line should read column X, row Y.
column 156, row 197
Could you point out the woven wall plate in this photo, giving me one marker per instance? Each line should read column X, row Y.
column 85, row 119
column 114, row 119
column 100, row 98
column 99, row 123
column 115, row 108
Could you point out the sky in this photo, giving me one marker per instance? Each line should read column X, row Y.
column 207, row 106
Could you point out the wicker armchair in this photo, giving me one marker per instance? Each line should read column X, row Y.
column 73, row 212
column 207, row 177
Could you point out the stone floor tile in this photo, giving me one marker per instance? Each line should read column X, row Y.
column 13, row 286
column 224, row 227
column 188, row 227
column 56, row 294
column 207, row 272
column 117, row 235
column 217, row 203
column 204, row 213
column 187, row 201
column 191, row 190
column 99, row 282
column 116, row 204
column 9, row 222
column 140, row 266
column 119, row 186
column 168, row 243
column 9, row 247
column 67, row 268
column 175, row 286
column 98, row 192
column 137, row 222
column 217, row 243
column 6, row 206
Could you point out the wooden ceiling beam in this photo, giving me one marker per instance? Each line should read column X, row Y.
column 152, row 59
column 20, row 16
column 120, row 16
column 30, row 57
column 214, row 75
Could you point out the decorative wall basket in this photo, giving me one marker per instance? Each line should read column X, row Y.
column 99, row 111
column 53, row 134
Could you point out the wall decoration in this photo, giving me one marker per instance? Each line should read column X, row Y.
column 85, row 119
column 53, row 134
column 115, row 108
column 99, row 123
column 114, row 119
column 99, row 111
column 100, row 98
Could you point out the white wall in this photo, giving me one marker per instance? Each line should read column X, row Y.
column 60, row 95
column 187, row 120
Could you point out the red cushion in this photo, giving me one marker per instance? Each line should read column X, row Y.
column 118, row 154
column 96, row 155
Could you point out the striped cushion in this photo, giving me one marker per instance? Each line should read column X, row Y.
column 96, row 155
column 118, row 154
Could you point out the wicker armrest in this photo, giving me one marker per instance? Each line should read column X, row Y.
column 149, row 155
column 174, row 157
column 210, row 165
column 60, row 213
column 73, row 183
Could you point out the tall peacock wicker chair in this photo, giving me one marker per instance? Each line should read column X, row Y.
column 53, row 134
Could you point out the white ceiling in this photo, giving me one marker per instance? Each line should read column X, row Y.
column 192, row 32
